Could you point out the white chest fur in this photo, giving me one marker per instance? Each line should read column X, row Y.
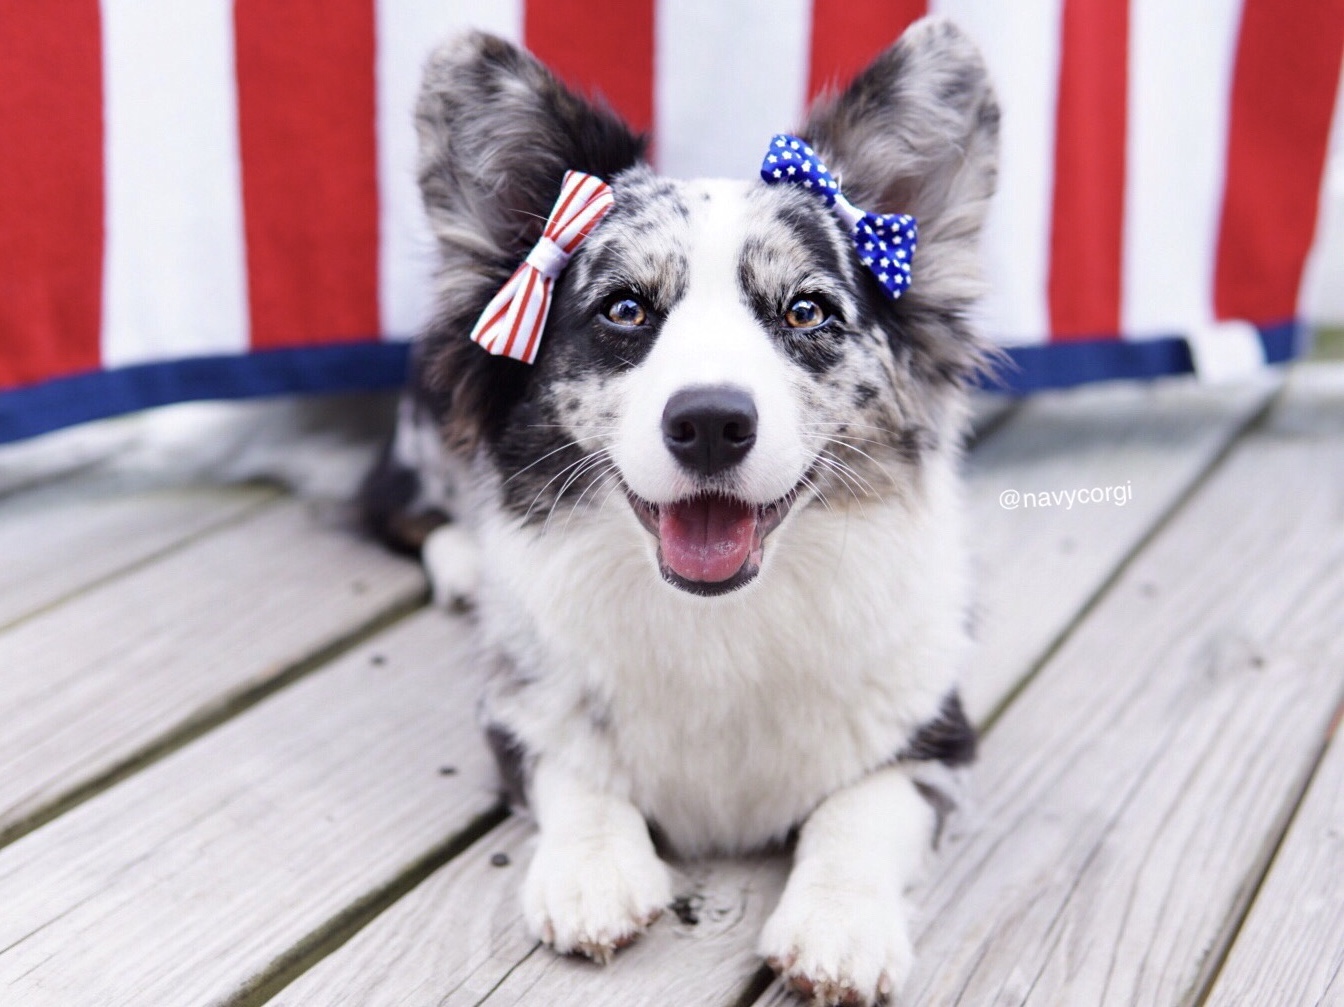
column 725, row 720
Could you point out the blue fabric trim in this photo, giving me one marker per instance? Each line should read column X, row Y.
column 1062, row 365
column 344, row 367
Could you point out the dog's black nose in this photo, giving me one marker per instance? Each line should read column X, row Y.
column 711, row 428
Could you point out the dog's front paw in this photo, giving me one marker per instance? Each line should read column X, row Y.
column 838, row 946
column 594, row 896
column 453, row 562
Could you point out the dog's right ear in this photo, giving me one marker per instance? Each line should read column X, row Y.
column 497, row 132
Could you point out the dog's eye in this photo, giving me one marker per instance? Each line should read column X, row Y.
column 804, row 314
column 627, row 311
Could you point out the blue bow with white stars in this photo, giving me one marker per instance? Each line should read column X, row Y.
column 885, row 241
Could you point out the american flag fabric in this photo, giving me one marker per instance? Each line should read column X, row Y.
column 216, row 198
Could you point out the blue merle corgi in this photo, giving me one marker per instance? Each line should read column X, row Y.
column 712, row 533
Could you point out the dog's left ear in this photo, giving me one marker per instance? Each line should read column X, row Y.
column 917, row 132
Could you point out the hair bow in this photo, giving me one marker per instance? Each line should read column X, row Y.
column 885, row 241
column 512, row 322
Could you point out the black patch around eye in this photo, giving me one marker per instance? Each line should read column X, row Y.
column 818, row 349
column 816, row 236
column 582, row 341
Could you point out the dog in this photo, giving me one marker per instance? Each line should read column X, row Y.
column 718, row 572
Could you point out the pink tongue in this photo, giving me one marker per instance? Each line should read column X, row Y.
column 707, row 538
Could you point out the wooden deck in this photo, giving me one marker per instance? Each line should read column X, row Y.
column 238, row 763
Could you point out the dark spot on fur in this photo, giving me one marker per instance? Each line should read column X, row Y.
column 863, row 395
column 513, row 761
column 949, row 738
column 913, row 442
column 596, row 711
column 447, row 770
column 390, row 508
column 500, row 860
column 942, row 805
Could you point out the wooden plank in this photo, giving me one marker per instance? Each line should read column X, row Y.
column 988, row 410
column 459, row 939
column 92, row 686
column 1132, row 795
column 1037, row 567
column 62, row 537
column 1291, row 950
column 83, row 504
column 221, row 866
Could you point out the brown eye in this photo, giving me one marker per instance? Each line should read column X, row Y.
column 804, row 314
column 627, row 311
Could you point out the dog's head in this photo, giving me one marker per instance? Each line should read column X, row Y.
column 716, row 355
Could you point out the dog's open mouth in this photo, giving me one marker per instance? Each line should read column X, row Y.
column 710, row 544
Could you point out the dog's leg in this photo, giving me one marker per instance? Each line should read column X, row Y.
column 453, row 562
column 595, row 882
column 840, row 934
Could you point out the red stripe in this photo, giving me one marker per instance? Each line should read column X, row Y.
column 495, row 318
column 848, row 34
column 51, row 189
column 1087, row 227
column 1283, row 93
column 526, row 297
column 568, row 193
column 310, row 197
column 530, row 351
column 607, row 53
column 584, row 221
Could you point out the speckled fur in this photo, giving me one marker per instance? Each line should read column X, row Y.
column 813, row 698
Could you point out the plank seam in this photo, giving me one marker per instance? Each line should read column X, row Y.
column 979, row 434
column 330, row 936
column 246, row 513
column 214, row 714
column 505, row 977
column 1225, row 941
column 1252, row 423
column 757, row 988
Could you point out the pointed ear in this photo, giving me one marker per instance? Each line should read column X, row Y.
column 917, row 132
column 497, row 132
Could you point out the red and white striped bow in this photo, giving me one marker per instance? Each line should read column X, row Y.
column 512, row 322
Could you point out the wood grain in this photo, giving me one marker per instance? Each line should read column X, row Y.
column 459, row 939
column 1291, row 950
column 192, row 880
column 61, row 538
column 1036, row 568
column 1131, row 796
column 90, row 686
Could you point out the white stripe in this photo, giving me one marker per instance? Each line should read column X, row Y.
column 729, row 77
column 407, row 30
column 1020, row 41
column 175, row 276
column 1180, row 57
column 1321, row 299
